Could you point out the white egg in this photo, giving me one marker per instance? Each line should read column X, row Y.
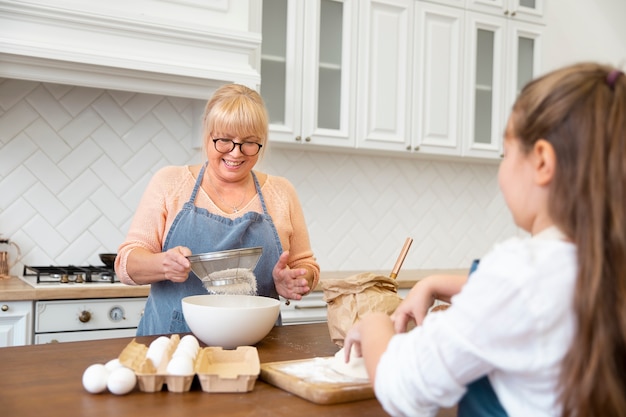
column 121, row 381
column 113, row 364
column 155, row 354
column 186, row 350
column 191, row 340
column 180, row 365
column 95, row 378
column 161, row 340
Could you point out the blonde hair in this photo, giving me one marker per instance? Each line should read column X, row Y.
column 581, row 111
column 237, row 110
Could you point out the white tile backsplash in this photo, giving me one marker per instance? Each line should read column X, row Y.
column 74, row 162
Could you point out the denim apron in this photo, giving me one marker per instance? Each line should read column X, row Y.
column 202, row 231
column 480, row 400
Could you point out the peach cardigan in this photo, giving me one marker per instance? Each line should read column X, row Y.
column 171, row 187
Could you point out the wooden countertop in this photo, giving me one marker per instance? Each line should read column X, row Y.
column 45, row 380
column 14, row 289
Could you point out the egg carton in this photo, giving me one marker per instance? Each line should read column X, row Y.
column 149, row 378
column 218, row 370
column 222, row 370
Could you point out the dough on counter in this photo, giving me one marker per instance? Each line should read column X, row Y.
column 355, row 368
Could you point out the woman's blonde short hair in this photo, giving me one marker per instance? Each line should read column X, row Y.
column 237, row 110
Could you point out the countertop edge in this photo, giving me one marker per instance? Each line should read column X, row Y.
column 14, row 289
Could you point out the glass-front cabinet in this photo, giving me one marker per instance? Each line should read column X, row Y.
column 502, row 55
column 433, row 77
column 308, row 70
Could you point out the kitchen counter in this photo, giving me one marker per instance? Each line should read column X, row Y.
column 14, row 289
column 45, row 380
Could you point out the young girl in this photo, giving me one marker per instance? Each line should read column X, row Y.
column 539, row 329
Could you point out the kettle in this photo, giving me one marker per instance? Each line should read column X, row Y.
column 5, row 263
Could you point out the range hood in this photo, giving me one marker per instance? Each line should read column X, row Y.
column 183, row 48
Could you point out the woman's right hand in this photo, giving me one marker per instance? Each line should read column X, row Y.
column 176, row 266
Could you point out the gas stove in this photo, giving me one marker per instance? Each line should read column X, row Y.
column 69, row 275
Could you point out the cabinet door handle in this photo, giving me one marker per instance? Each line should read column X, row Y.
column 417, row 148
column 5, row 307
column 307, row 139
column 298, row 138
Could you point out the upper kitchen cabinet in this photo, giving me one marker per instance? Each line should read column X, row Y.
column 430, row 77
column 308, row 70
column 182, row 48
column 438, row 80
column 502, row 55
column 385, row 65
column 523, row 10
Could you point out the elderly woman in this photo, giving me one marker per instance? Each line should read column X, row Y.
column 219, row 205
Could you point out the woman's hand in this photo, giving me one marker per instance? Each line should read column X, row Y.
column 145, row 267
column 176, row 266
column 290, row 283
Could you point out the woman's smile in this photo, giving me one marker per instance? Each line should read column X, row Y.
column 232, row 164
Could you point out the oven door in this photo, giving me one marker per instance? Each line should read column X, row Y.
column 87, row 319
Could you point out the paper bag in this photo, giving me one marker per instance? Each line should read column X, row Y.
column 351, row 298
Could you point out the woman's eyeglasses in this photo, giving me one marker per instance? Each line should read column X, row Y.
column 227, row 145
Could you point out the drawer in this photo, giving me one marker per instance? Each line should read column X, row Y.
column 312, row 308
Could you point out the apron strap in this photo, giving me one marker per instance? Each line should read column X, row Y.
column 257, row 187
column 196, row 187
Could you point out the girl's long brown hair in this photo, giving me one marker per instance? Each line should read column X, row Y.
column 581, row 111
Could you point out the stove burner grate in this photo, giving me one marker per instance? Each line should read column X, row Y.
column 62, row 273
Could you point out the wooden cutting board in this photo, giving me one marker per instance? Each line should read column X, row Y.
column 316, row 381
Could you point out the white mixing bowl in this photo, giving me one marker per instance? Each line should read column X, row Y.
column 230, row 320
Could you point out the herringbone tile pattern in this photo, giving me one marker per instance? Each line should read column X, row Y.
column 74, row 162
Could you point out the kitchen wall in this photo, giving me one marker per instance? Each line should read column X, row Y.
column 581, row 30
column 74, row 162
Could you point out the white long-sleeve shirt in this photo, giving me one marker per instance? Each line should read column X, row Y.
column 513, row 321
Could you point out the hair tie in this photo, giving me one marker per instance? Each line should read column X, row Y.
column 612, row 77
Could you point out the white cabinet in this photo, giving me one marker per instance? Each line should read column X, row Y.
column 308, row 70
column 502, row 55
column 16, row 323
column 385, row 66
column 437, row 87
column 430, row 77
column 470, row 67
column 526, row 10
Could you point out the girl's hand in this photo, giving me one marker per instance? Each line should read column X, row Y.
column 290, row 283
column 414, row 307
column 422, row 296
column 353, row 341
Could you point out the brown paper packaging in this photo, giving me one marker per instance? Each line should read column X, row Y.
column 351, row 298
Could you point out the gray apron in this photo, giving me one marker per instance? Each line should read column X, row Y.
column 480, row 400
column 202, row 231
